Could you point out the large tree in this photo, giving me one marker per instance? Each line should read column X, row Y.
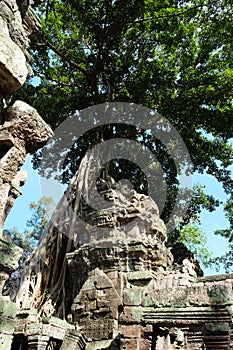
column 171, row 56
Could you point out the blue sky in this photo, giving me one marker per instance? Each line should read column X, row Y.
column 31, row 192
column 213, row 221
column 34, row 189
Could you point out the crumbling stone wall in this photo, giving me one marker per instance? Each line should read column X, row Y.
column 22, row 130
column 148, row 307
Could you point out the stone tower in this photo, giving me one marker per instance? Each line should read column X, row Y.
column 122, row 288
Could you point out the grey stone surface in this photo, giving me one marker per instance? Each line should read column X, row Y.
column 16, row 26
column 22, row 130
column 13, row 68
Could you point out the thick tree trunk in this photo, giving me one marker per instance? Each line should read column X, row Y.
column 42, row 279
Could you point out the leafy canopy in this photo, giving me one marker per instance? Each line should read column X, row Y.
column 171, row 56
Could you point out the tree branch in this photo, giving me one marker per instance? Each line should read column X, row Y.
column 67, row 59
column 75, row 85
column 154, row 18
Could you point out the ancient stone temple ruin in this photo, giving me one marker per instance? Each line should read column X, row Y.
column 110, row 283
column 120, row 291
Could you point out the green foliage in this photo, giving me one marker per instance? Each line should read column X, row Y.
column 228, row 208
column 36, row 224
column 39, row 218
column 171, row 56
column 30, row 237
column 195, row 240
column 227, row 259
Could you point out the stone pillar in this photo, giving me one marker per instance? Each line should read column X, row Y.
column 9, row 256
column 132, row 337
column 37, row 342
column 7, row 313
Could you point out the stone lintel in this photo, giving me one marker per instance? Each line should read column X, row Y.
column 215, row 278
column 186, row 316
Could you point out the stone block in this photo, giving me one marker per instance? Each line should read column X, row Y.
column 184, row 282
column 140, row 275
column 28, row 125
column 170, row 281
column 130, row 331
column 103, row 303
column 148, row 329
column 217, row 327
column 144, row 344
column 129, row 344
column 131, row 314
column 101, row 345
column 8, row 309
column 13, row 68
column 132, row 296
column 11, row 162
column 9, row 257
